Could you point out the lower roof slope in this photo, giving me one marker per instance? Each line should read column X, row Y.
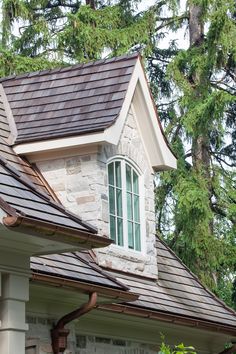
column 26, row 203
column 178, row 293
column 75, row 267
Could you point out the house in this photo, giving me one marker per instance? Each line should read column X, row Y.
column 82, row 270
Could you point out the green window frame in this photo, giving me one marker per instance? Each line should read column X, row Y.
column 124, row 204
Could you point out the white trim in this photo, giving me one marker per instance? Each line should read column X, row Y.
column 59, row 144
column 123, row 162
column 159, row 153
column 10, row 119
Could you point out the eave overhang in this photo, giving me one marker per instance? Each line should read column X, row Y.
column 128, row 309
column 112, row 295
column 70, row 237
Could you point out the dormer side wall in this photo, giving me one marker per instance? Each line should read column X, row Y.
column 131, row 147
column 81, row 183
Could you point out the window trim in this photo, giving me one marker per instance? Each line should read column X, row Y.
column 124, row 160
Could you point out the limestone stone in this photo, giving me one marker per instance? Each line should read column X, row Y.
column 85, row 199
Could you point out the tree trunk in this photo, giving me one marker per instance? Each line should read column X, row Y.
column 201, row 138
column 200, row 144
column 91, row 3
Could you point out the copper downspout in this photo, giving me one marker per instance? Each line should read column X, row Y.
column 59, row 333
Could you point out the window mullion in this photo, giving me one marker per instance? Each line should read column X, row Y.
column 115, row 196
column 132, row 203
column 124, row 201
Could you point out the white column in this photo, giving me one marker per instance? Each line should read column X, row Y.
column 14, row 294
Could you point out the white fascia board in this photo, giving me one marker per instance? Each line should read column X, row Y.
column 160, row 155
column 138, row 97
column 59, row 144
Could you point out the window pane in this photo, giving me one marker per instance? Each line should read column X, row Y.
column 119, row 202
column 111, row 173
column 129, row 206
column 128, row 178
column 112, row 200
column 135, row 183
column 120, row 231
column 136, row 208
column 130, row 235
column 118, row 174
column 113, row 228
column 137, row 238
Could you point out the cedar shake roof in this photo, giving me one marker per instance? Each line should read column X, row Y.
column 23, row 193
column 23, row 200
column 74, row 266
column 22, row 166
column 178, row 292
column 68, row 101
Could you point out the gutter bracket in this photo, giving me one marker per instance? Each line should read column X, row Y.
column 59, row 333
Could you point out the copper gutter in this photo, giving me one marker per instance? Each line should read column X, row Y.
column 59, row 333
column 115, row 294
column 154, row 315
column 62, row 233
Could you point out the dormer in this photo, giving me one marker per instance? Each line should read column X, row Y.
column 94, row 134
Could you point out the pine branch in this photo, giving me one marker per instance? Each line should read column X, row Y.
column 167, row 21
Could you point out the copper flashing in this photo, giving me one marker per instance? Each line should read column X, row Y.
column 171, row 318
column 64, row 234
column 116, row 294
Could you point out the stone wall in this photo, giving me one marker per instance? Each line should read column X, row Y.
column 81, row 184
column 39, row 332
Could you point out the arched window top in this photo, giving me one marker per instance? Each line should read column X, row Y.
column 124, row 203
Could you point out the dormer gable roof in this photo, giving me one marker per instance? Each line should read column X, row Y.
column 68, row 101
column 85, row 104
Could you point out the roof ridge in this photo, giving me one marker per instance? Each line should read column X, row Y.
column 196, row 277
column 70, row 67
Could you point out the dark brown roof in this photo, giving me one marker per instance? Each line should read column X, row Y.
column 68, row 101
column 177, row 292
column 75, row 267
column 22, row 193
column 22, row 166
column 23, row 200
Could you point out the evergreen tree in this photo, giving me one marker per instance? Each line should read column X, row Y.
column 196, row 204
column 71, row 31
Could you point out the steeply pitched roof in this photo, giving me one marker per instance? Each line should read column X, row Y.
column 26, row 202
column 73, row 266
column 177, row 293
column 21, row 166
column 68, row 101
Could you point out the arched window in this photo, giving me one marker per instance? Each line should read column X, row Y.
column 124, row 204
